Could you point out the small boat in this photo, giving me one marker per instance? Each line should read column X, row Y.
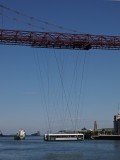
column 20, row 135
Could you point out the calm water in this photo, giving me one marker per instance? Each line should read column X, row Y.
column 34, row 148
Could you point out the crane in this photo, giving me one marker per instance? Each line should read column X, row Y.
column 59, row 40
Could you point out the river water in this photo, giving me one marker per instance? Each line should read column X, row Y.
column 35, row 148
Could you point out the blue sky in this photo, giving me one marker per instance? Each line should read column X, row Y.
column 51, row 89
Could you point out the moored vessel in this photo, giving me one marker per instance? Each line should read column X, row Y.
column 64, row 137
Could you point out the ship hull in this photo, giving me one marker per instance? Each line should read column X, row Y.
column 19, row 137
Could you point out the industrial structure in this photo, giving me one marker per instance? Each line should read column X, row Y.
column 59, row 40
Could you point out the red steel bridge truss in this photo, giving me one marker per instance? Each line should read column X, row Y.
column 59, row 40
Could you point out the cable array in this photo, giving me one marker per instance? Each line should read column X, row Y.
column 33, row 19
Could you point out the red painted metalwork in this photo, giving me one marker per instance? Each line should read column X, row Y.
column 59, row 40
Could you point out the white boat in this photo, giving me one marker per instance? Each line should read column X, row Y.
column 64, row 137
column 20, row 135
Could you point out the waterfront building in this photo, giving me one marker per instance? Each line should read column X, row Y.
column 117, row 124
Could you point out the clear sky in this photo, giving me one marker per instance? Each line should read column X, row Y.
column 52, row 89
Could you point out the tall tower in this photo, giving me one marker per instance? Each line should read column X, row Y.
column 95, row 125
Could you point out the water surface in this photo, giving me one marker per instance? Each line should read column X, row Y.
column 35, row 148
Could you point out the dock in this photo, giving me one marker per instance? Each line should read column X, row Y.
column 106, row 137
